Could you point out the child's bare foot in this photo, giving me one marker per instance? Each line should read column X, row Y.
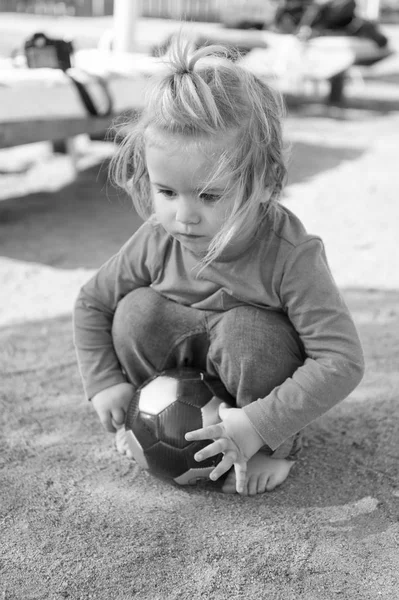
column 263, row 475
column 121, row 442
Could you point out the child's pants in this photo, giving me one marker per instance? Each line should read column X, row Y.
column 250, row 350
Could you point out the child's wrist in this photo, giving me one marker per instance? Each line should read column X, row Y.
column 253, row 440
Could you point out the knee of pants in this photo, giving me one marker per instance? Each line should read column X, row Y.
column 130, row 307
column 153, row 333
column 135, row 319
column 254, row 351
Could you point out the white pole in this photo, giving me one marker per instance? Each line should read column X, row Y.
column 125, row 18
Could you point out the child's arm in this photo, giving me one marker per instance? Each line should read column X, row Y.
column 334, row 363
column 103, row 379
column 235, row 437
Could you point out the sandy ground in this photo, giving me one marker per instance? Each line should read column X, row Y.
column 77, row 520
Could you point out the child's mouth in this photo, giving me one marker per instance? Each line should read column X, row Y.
column 189, row 236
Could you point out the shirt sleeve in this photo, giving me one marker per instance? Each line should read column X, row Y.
column 334, row 365
column 95, row 306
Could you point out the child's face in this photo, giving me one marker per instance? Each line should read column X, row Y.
column 177, row 169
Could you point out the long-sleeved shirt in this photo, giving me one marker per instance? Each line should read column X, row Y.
column 284, row 269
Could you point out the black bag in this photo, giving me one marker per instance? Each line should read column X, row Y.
column 335, row 14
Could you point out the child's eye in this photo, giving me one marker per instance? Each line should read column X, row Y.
column 205, row 197
column 166, row 193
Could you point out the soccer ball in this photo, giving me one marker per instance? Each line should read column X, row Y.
column 162, row 411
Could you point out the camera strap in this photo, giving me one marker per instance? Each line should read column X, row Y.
column 85, row 96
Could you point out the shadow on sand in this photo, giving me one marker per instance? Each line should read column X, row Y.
column 86, row 221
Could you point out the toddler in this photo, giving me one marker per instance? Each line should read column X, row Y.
column 220, row 276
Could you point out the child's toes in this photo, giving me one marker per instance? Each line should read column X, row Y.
column 272, row 483
column 262, row 483
column 252, row 485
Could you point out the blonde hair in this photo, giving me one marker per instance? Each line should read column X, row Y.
column 203, row 93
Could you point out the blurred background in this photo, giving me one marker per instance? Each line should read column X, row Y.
column 59, row 216
column 200, row 10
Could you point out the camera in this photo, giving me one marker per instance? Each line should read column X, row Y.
column 42, row 51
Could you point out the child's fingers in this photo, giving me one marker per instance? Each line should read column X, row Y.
column 118, row 417
column 206, row 433
column 223, row 409
column 116, row 425
column 241, row 477
column 216, row 447
column 106, row 419
column 225, row 465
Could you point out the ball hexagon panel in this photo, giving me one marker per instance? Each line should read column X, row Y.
column 145, row 428
column 168, row 461
column 193, row 392
column 165, row 460
column 174, row 422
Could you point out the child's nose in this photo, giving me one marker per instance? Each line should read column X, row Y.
column 187, row 212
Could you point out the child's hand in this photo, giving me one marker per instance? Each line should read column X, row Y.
column 235, row 437
column 111, row 405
